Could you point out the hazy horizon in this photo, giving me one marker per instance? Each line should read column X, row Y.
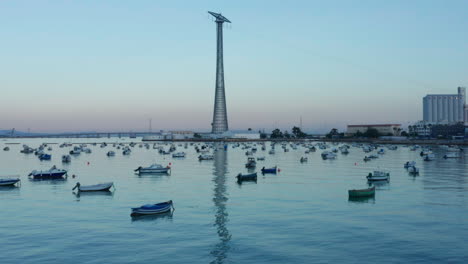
column 113, row 65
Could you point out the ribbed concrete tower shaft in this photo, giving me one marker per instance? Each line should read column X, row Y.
column 220, row 121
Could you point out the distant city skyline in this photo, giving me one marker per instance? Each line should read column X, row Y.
column 112, row 65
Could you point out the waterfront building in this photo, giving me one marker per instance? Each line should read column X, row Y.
column 420, row 129
column 182, row 134
column 448, row 130
column 445, row 108
column 384, row 129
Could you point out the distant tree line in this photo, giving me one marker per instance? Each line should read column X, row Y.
column 296, row 132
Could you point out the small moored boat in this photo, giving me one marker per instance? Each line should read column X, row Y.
column 246, row 177
column 205, row 157
column 154, row 168
column 379, row 175
column 9, row 181
column 66, row 158
column 94, row 188
column 44, row 156
column 52, row 173
column 362, row 192
column 251, row 163
column 269, row 170
column 179, row 155
column 148, row 209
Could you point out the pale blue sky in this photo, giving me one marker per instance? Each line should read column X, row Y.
column 112, row 65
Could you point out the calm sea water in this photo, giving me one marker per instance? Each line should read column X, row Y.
column 301, row 215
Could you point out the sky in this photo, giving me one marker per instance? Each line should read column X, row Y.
column 112, row 65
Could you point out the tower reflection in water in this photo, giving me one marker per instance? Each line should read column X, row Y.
column 220, row 198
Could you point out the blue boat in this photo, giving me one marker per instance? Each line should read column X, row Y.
column 53, row 173
column 45, row 156
column 148, row 209
column 246, row 177
column 269, row 170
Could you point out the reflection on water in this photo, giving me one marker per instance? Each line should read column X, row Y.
column 9, row 188
column 370, row 199
column 220, row 198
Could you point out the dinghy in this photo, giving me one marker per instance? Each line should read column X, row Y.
column 246, row 177
column 379, row 175
column 269, row 170
column 94, row 188
column 9, row 181
column 154, row 168
column 158, row 208
column 362, row 192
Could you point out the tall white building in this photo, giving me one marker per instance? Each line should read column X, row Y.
column 445, row 108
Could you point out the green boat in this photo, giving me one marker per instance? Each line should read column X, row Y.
column 362, row 192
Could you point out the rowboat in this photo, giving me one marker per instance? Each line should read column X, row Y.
column 94, row 188
column 154, row 168
column 148, row 209
column 269, row 170
column 246, row 177
column 362, row 192
column 9, row 181
column 52, row 173
column 379, row 175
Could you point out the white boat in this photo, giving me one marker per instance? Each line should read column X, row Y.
column 452, row 155
column 179, row 155
column 379, row 175
column 154, row 168
column 205, row 157
column 94, row 188
column 110, row 153
column 9, row 181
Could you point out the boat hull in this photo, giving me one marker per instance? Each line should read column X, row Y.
column 103, row 187
column 148, row 171
column 248, row 177
column 9, row 182
column 152, row 209
column 57, row 175
column 362, row 192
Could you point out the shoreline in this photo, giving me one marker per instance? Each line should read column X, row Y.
column 243, row 140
